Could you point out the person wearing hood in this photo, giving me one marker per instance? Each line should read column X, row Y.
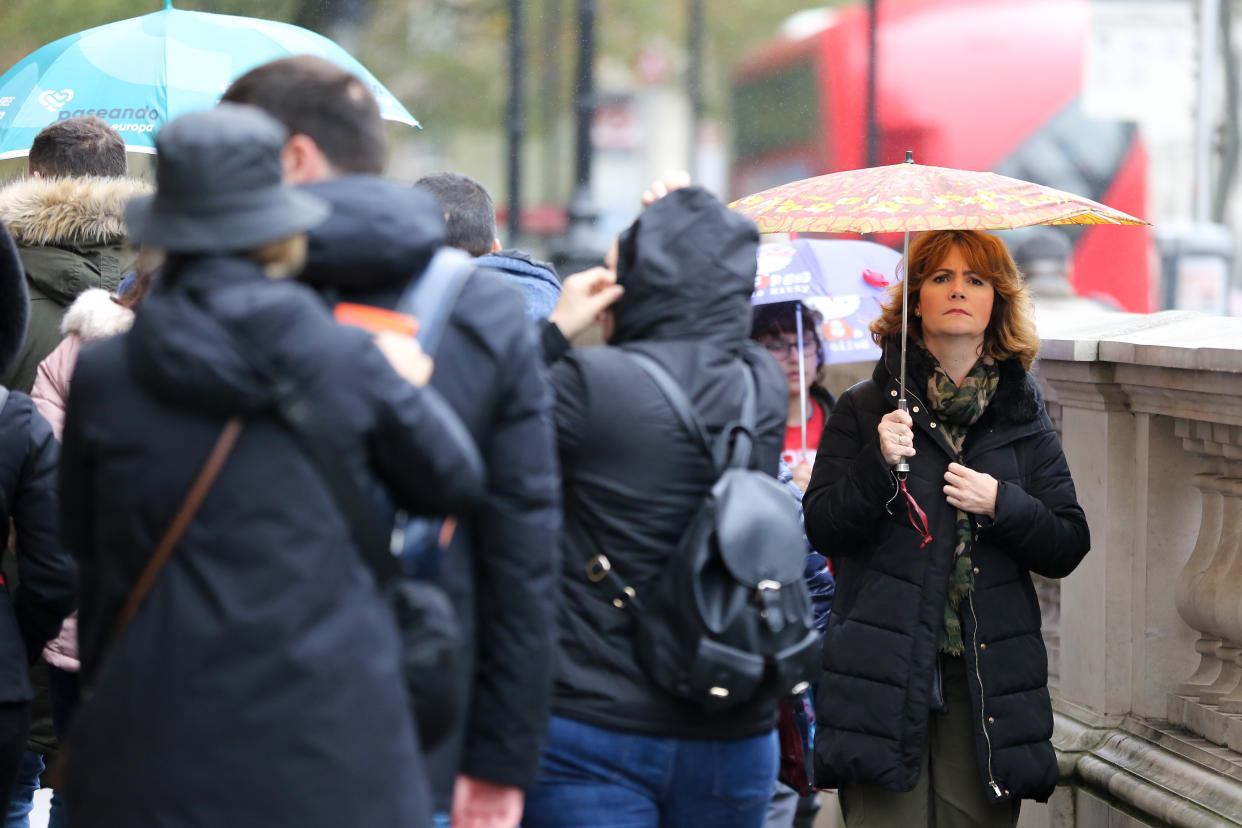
column 622, row 751
column 933, row 706
column 32, row 610
column 470, row 225
column 68, row 220
column 259, row 681
column 501, row 568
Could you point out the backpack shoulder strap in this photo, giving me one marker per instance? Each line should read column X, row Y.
column 432, row 296
column 677, row 399
column 732, row 448
column 744, row 429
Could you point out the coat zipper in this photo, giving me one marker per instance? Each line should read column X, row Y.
column 983, row 719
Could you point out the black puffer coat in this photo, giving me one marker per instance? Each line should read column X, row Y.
column 882, row 638
column 260, row 682
column 633, row 477
column 501, row 571
column 31, row 610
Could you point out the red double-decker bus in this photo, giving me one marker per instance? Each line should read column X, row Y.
column 973, row 84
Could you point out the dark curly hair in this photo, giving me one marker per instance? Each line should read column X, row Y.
column 780, row 318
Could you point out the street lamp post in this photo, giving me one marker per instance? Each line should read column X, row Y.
column 694, row 84
column 580, row 249
column 550, row 101
column 514, row 122
column 873, row 123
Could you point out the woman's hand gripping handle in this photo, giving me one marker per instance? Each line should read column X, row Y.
column 896, row 438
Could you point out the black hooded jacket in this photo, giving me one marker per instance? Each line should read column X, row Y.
column 881, row 644
column 260, row 681
column 501, row 570
column 31, row 610
column 632, row 475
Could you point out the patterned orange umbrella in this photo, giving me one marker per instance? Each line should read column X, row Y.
column 913, row 197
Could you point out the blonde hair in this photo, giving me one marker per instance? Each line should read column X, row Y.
column 1011, row 331
column 282, row 258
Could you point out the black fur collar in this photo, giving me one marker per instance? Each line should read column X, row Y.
column 1017, row 399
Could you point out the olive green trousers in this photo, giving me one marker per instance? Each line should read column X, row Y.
column 948, row 793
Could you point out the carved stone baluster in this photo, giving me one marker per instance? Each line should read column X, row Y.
column 1214, row 599
column 1189, row 584
column 1229, row 616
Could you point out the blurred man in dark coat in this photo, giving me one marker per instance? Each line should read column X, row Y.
column 501, row 570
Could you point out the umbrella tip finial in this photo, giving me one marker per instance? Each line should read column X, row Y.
column 909, row 153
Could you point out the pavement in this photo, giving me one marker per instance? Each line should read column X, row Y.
column 42, row 802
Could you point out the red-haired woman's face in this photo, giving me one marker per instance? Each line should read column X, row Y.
column 954, row 300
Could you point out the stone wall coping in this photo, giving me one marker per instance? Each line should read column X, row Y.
column 1168, row 339
column 1148, row 767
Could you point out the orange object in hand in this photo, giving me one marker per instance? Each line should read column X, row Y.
column 376, row 320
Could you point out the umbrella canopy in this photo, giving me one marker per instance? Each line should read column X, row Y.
column 844, row 280
column 911, row 197
column 140, row 73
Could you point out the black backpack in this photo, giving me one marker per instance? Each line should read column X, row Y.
column 729, row 621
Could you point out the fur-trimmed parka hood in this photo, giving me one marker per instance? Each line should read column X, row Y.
column 68, row 212
column 71, row 233
column 95, row 315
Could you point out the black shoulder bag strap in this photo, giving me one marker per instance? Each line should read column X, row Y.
column 725, row 453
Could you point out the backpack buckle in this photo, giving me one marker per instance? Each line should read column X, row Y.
column 597, row 569
column 626, row 596
column 767, row 595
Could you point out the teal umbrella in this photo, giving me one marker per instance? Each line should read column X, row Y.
column 140, row 73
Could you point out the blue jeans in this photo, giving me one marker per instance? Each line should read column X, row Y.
column 614, row 779
column 63, row 694
column 21, row 800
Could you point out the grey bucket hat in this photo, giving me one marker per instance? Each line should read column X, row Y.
column 218, row 186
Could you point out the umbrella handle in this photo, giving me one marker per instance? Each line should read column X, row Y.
column 901, row 467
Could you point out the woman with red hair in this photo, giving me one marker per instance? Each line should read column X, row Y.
column 933, row 708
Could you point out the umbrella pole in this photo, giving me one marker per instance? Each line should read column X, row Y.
column 801, row 378
column 902, row 467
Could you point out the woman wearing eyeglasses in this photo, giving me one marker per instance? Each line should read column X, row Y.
column 775, row 327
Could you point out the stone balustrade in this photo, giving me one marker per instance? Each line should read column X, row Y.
column 1145, row 638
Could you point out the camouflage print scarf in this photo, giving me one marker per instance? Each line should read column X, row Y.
column 957, row 407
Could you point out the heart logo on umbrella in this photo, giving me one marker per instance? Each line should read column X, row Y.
column 54, row 100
